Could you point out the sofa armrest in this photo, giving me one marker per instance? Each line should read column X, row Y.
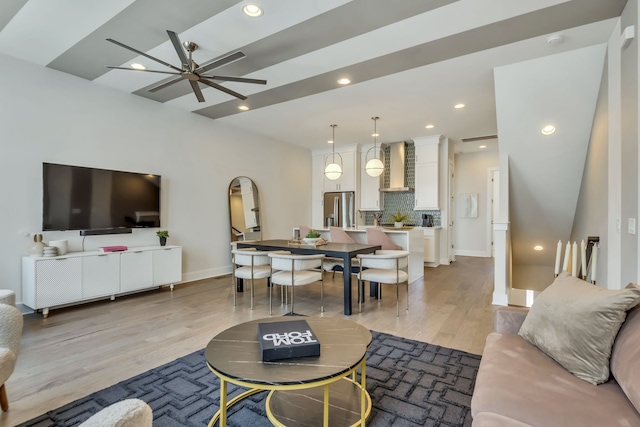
column 509, row 319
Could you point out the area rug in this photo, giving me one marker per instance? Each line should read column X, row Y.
column 411, row 383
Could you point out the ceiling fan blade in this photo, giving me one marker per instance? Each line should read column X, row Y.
column 220, row 62
column 236, row 79
column 223, row 89
column 196, row 90
column 166, row 84
column 179, row 49
column 145, row 71
column 166, row 64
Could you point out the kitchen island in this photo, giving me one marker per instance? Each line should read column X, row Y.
column 411, row 240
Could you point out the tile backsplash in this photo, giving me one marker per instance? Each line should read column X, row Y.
column 403, row 202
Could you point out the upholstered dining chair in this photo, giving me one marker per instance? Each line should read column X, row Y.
column 290, row 270
column 384, row 267
column 379, row 237
column 126, row 413
column 249, row 265
column 338, row 235
column 10, row 333
column 304, row 230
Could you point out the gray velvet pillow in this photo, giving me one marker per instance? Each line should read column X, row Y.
column 575, row 323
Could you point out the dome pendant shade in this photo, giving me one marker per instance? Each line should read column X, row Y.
column 374, row 167
column 333, row 171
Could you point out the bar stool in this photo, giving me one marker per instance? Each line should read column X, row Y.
column 249, row 264
column 296, row 270
column 384, row 267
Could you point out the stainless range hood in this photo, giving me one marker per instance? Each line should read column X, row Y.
column 397, row 167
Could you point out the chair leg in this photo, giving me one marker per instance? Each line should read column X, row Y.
column 322, row 295
column 4, row 403
column 292, row 298
column 407, row 295
column 397, row 299
column 252, row 291
column 234, row 289
column 270, row 300
column 360, row 287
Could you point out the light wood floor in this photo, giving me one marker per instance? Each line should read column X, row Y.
column 82, row 349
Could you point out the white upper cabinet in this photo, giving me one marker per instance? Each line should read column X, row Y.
column 427, row 172
column 350, row 166
column 371, row 199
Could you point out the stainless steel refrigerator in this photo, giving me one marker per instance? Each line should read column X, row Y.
column 340, row 209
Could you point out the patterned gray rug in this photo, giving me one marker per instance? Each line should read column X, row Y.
column 411, row 383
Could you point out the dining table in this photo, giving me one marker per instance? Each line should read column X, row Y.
column 344, row 251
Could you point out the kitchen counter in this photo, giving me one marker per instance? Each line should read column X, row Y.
column 410, row 240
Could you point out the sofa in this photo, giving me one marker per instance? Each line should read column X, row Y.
column 519, row 385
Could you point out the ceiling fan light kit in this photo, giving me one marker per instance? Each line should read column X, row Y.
column 333, row 170
column 190, row 70
column 374, row 166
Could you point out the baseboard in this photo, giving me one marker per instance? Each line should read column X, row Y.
column 205, row 274
column 479, row 254
column 500, row 299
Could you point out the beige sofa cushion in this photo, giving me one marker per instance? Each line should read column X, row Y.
column 488, row 419
column 625, row 355
column 516, row 380
column 575, row 323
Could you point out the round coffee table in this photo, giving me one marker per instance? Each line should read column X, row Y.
column 319, row 390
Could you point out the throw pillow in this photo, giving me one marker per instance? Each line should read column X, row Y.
column 575, row 323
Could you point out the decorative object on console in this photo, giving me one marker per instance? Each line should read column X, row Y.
column 333, row 170
column 37, row 249
column 374, row 166
column 119, row 248
column 62, row 245
column 162, row 234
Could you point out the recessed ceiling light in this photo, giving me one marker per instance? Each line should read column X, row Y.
column 548, row 129
column 344, row 81
column 429, row 126
column 459, row 106
column 482, row 146
column 252, row 10
column 137, row 66
column 537, row 248
column 330, row 142
column 243, row 107
column 375, row 134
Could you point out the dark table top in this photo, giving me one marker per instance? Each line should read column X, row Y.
column 330, row 249
column 235, row 353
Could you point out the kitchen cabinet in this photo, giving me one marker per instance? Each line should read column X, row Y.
column 371, row 198
column 82, row 276
column 350, row 173
column 427, row 170
column 431, row 246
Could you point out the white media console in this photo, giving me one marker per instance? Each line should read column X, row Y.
column 82, row 276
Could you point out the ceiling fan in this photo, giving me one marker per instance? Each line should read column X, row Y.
column 191, row 71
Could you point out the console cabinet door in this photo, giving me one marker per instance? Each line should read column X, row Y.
column 167, row 266
column 58, row 281
column 136, row 270
column 100, row 275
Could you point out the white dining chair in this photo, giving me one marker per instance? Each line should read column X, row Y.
column 289, row 271
column 384, row 267
column 249, row 264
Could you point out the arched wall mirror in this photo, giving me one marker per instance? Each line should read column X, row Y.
column 244, row 210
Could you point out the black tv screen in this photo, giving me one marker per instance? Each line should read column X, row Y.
column 80, row 198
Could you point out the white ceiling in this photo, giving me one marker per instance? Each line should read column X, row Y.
column 409, row 61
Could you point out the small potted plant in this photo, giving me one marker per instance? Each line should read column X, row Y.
column 162, row 234
column 398, row 219
column 312, row 237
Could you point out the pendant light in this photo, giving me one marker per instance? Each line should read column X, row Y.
column 374, row 167
column 333, row 170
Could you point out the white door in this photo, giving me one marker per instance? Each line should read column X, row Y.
column 451, row 207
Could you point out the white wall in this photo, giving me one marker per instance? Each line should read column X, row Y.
column 473, row 236
column 48, row 116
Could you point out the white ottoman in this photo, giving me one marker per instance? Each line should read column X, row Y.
column 7, row 297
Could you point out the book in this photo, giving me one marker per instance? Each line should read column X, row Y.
column 287, row 340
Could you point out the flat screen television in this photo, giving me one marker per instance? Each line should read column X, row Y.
column 81, row 198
